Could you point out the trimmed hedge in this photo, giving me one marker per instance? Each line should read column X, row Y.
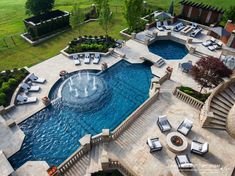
column 9, row 80
column 89, row 43
column 195, row 94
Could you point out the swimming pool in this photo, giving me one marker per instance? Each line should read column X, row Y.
column 168, row 49
column 53, row 134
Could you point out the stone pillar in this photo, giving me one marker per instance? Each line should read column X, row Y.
column 147, row 26
column 192, row 50
column 146, row 41
column 85, row 142
column 169, row 33
column 231, row 40
column 155, row 33
column 106, row 135
column 104, row 162
column 169, row 71
column 133, row 35
column 189, row 40
column 110, row 50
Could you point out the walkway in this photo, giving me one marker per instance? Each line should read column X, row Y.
column 130, row 148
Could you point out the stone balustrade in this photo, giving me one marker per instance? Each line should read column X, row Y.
column 106, row 136
column 188, row 99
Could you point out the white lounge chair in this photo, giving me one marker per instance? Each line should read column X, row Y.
column 87, row 59
column 76, row 60
column 179, row 27
column 159, row 26
column 199, row 147
column 209, row 42
column 196, row 32
column 163, row 123
column 154, row 144
column 185, row 127
column 183, row 162
column 36, row 79
column 165, row 25
column 28, row 88
column 25, row 99
column 96, row 58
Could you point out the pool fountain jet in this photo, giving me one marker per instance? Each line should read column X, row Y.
column 85, row 91
column 94, row 83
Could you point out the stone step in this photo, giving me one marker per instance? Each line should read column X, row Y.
column 219, row 113
column 227, row 97
column 230, row 93
column 216, row 106
column 224, row 100
column 232, row 88
column 218, row 117
column 218, row 122
column 221, row 104
column 214, row 126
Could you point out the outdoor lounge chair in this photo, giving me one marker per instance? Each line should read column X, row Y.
column 199, row 147
column 183, row 162
column 36, row 79
column 196, row 32
column 159, row 26
column 165, row 25
column 163, row 123
column 185, row 127
column 96, row 58
column 28, row 88
column 154, row 144
column 25, row 99
column 209, row 42
column 178, row 27
column 87, row 59
column 76, row 60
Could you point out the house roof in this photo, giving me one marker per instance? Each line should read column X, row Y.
column 202, row 6
column 220, row 31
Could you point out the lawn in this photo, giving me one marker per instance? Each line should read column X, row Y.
column 12, row 13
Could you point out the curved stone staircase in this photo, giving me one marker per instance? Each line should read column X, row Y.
column 215, row 112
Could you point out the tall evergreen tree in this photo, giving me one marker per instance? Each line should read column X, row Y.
column 171, row 8
column 76, row 17
column 105, row 16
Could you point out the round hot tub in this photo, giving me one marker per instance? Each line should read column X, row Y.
column 176, row 142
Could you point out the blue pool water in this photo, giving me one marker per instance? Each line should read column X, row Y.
column 168, row 49
column 53, row 134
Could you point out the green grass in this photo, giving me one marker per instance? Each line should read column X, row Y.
column 12, row 13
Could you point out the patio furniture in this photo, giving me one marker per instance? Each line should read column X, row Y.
column 163, row 123
column 165, row 25
column 87, row 59
column 187, row 66
column 185, row 127
column 36, row 79
column 96, row 58
column 196, row 32
column 183, row 162
column 194, row 25
column 22, row 99
column 186, row 30
column 154, row 144
column 28, row 88
column 209, row 42
column 76, row 60
column 199, row 147
column 159, row 26
column 178, row 27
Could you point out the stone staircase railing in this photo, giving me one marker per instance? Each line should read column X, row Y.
column 106, row 136
column 188, row 99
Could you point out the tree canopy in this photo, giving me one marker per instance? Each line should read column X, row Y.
column 209, row 71
column 230, row 13
column 132, row 14
column 37, row 7
column 105, row 16
column 76, row 17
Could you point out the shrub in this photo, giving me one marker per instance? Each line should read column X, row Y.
column 2, row 99
column 12, row 82
column 5, row 87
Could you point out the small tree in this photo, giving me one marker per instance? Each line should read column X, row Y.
column 37, row 7
column 76, row 17
column 209, row 71
column 132, row 14
column 105, row 16
column 230, row 13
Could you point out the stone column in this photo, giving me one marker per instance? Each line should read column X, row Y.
column 133, row 35
column 189, row 40
column 192, row 50
column 105, row 135
column 169, row 33
column 85, row 142
column 147, row 26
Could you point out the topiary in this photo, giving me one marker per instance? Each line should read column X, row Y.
column 5, row 87
column 2, row 99
column 12, row 82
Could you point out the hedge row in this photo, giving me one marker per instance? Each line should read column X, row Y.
column 90, row 43
column 199, row 96
column 9, row 80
